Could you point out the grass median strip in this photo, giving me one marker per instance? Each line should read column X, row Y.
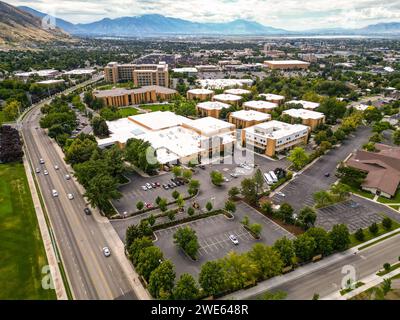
column 379, row 240
column 21, row 247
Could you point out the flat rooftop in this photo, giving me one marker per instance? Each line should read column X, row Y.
column 287, row 62
column 213, row 105
column 305, row 104
column 304, row 114
column 224, row 83
column 159, row 120
column 260, row 104
column 277, row 130
column 116, row 92
column 271, row 96
column 201, row 91
column 227, row 97
column 250, row 115
column 238, row 92
column 209, row 126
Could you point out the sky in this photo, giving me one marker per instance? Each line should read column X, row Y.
column 287, row 14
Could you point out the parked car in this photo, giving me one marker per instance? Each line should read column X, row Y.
column 327, row 174
column 165, row 186
column 148, row 185
column 106, row 251
column 234, row 239
column 144, row 188
column 158, row 184
column 149, row 205
column 202, row 166
column 281, row 194
column 234, row 175
column 56, row 167
column 154, row 185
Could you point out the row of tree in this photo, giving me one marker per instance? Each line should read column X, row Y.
column 10, row 145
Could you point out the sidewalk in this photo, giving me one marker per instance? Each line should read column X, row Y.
column 52, row 257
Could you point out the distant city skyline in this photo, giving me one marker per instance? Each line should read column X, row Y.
column 287, row 14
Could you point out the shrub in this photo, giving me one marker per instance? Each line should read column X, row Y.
column 359, row 235
column 373, row 228
column 387, row 223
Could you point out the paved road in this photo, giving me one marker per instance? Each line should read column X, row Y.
column 327, row 278
column 80, row 237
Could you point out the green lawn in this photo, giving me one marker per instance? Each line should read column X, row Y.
column 369, row 235
column 362, row 193
column 126, row 112
column 157, row 107
column 21, row 247
column 395, row 199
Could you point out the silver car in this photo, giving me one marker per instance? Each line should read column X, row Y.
column 234, row 239
column 106, row 252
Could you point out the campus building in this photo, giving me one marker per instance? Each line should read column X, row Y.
column 199, row 94
column 176, row 139
column 139, row 74
column 224, row 83
column 286, row 64
column 305, row 104
column 231, row 99
column 274, row 137
column 307, row 117
column 211, row 108
column 275, row 98
column 382, row 168
column 260, row 105
column 237, row 91
column 120, row 97
column 247, row 118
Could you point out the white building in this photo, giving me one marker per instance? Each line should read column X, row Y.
column 276, row 98
column 247, row 118
column 309, row 118
column 228, row 98
column 238, row 92
column 224, row 83
column 260, row 105
column 306, row 104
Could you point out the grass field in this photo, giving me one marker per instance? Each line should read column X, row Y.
column 21, row 248
column 2, row 117
column 126, row 112
column 395, row 199
column 157, row 107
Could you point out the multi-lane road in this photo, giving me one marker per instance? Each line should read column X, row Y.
column 80, row 238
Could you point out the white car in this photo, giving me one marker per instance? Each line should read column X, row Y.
column 56, row 167
column 54, row 193
column 70, row 196
column 106, row 251
column 234, row 239
column 41, row 161
column 144, row 188
column 281, row 194
column 67, row 177
column 45, row 172
column 37, row 170
column 148, row 185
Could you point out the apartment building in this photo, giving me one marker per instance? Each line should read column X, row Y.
column 237, row 91
column 286, row 64
column 139, row 74
column 231, row 99
column 200, row 94
column 260, row 106
column 309, row 118
column 275, row 98
column 120, row 97
column 247, row 118
column 274, row 137
column 211, row 108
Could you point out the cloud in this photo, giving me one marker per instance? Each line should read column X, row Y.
column 288, row 14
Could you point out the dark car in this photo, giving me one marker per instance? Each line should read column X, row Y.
column 327, row 174
column 202, row 166
column 165, row 186
column 87, row 211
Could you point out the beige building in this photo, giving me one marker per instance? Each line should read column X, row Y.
column 247, row 118
column 275, row 98
column 211, row 108
column 200, row 94
column 231, row 99
column 286, row 64
column 237, row 91
column 139, row 74
column 309, row 118
column 260, row 105
column 120, row 97
column 274, row 136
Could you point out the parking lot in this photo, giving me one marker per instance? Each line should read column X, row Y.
column 355, row 213
column 213, row 235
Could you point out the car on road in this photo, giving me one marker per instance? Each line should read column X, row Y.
column 67, row 177
column 41, row 161
column 327, row 174
column 56, row 167
column 54, row 193
column 37, row 170
column 45, row 172
column 281, row 194
column 106, row 252
column 70, row 196
column 234, row 239
column 87, row 211
column 144, row 188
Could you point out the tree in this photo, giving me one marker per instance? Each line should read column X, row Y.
column 141, row 154
column 80, row 151
column 350, row 176
column 163, row 204
column 194, row 186
column 372, row 114
column 100, row 127
column 162, row 280
column 233, row 192
column 100, row 190
column 304, row 246
column 131, row 234
column 298, row 157
column 137, row 247
column 267, row 260
column 323, row 244
column 266, row 208
column 307, row 217
column 387, row 223
column 190, row 211
column 148, row 260
column 286, row 213
column 248, row 190
column 258, row 181
column 10, row 145
column 180, row 202
column 322, row 198
column 373, row 228
column 212, row 278
column 256, row 229
column 158, row 199
column 340, row 237
column 396, row 137
column 386, row 266
column 177, row 171
column 175, row 194
column 359, row 235
column 151, row 219
column 246, row 221
column 186, row 239
column 140, row 205
column 171, row 214
column 209, row 206
column 216, row 178
column 12, row 109
column 230, row 206
column 187, row 174
column 341, row 190
column 286, row 250
column 386, row 286
column 186, row 288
